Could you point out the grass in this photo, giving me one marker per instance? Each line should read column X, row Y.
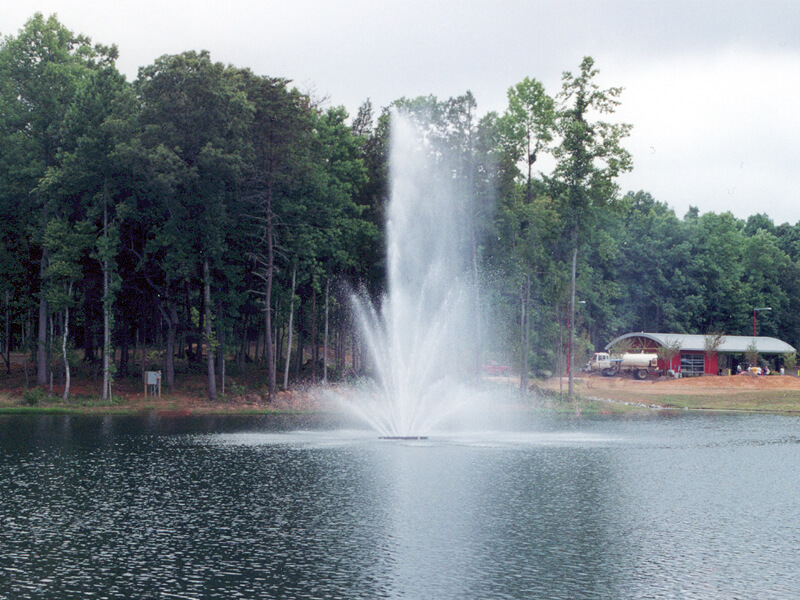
column 626, row 399
column 775, row 401
column 245, row 393
column 100, row 408
column 547, row 400
column 762, row 401
column 248, row 398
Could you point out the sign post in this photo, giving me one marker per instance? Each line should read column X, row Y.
column 152, row 383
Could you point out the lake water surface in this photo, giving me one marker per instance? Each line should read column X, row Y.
column 686, row 506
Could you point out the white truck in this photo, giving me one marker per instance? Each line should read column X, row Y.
column 638, row 365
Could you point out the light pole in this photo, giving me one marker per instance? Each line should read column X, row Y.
column 755, row 310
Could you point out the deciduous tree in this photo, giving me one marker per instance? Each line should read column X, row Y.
column 589, row 158
column 41, row 70
column 194, row 120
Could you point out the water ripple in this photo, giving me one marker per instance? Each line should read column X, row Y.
column 608, row 511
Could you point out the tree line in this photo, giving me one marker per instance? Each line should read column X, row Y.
column 209, row 215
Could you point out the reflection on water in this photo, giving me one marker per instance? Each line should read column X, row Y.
column 693, row 507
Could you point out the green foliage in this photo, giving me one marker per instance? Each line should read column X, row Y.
column 718, row 242
column 114, row 195
column 751, row 353
column 590, row 155
column 621, row 347
column 669, row 350
column 67, row 244
column 527, row 126
column 652, row 267
column 236, row 390
column 35, row 396
column 712, row 341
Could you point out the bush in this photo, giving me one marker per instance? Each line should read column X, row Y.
column 235, row 390
column 34, row 396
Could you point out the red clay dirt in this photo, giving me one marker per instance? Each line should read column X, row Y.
column 710, row 385
column 188, row 397
column 190, row 393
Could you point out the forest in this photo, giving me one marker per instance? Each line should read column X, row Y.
column 204, row 218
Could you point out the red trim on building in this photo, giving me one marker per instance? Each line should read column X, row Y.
column 643, row 344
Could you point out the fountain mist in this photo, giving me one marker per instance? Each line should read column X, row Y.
column 422, row 336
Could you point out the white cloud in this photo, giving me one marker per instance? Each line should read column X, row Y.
column 709, row 86
column 717, row 131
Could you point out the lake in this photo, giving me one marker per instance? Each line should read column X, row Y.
column 667, row 505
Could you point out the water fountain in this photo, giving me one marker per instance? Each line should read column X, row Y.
column 422, row 335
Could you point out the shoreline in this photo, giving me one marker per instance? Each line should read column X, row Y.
column 777, row 394
column 594, row 395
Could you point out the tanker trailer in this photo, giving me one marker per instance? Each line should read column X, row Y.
column 637, row 364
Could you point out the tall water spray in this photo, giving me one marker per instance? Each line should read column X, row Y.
column 421, row 338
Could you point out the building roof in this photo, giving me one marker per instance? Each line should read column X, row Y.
column 730, row 343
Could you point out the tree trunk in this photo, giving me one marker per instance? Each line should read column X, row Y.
column 571, row 342
column 212, row 377
column 220, row 351
column 314, row 345
column 340, row 336
column 353, row 351
column 124, row 357
column 289, row 342
column 298, row 365
column 268, row 349
column 106, row 307
column 64, row 337
column 275, row 353
column 280, row 333
column 7, row 335
column 476, row 292
column 560, row 354
column 201, row 325
column 526, row 298
column 325, row 342
column 41, row 343
column 136, row 350
column 222, row 373
column 169, row 358
column 245, row 349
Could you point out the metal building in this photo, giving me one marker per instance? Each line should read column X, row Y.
column 695, row 359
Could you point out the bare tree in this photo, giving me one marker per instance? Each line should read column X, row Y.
column 669, row 350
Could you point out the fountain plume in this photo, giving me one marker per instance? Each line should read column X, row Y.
column 419, row 337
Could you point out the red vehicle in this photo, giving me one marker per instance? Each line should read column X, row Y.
column 494, row 369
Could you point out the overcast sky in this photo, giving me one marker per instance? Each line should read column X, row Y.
column 711, row 88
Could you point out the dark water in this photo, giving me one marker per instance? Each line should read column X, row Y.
column 695, row 506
